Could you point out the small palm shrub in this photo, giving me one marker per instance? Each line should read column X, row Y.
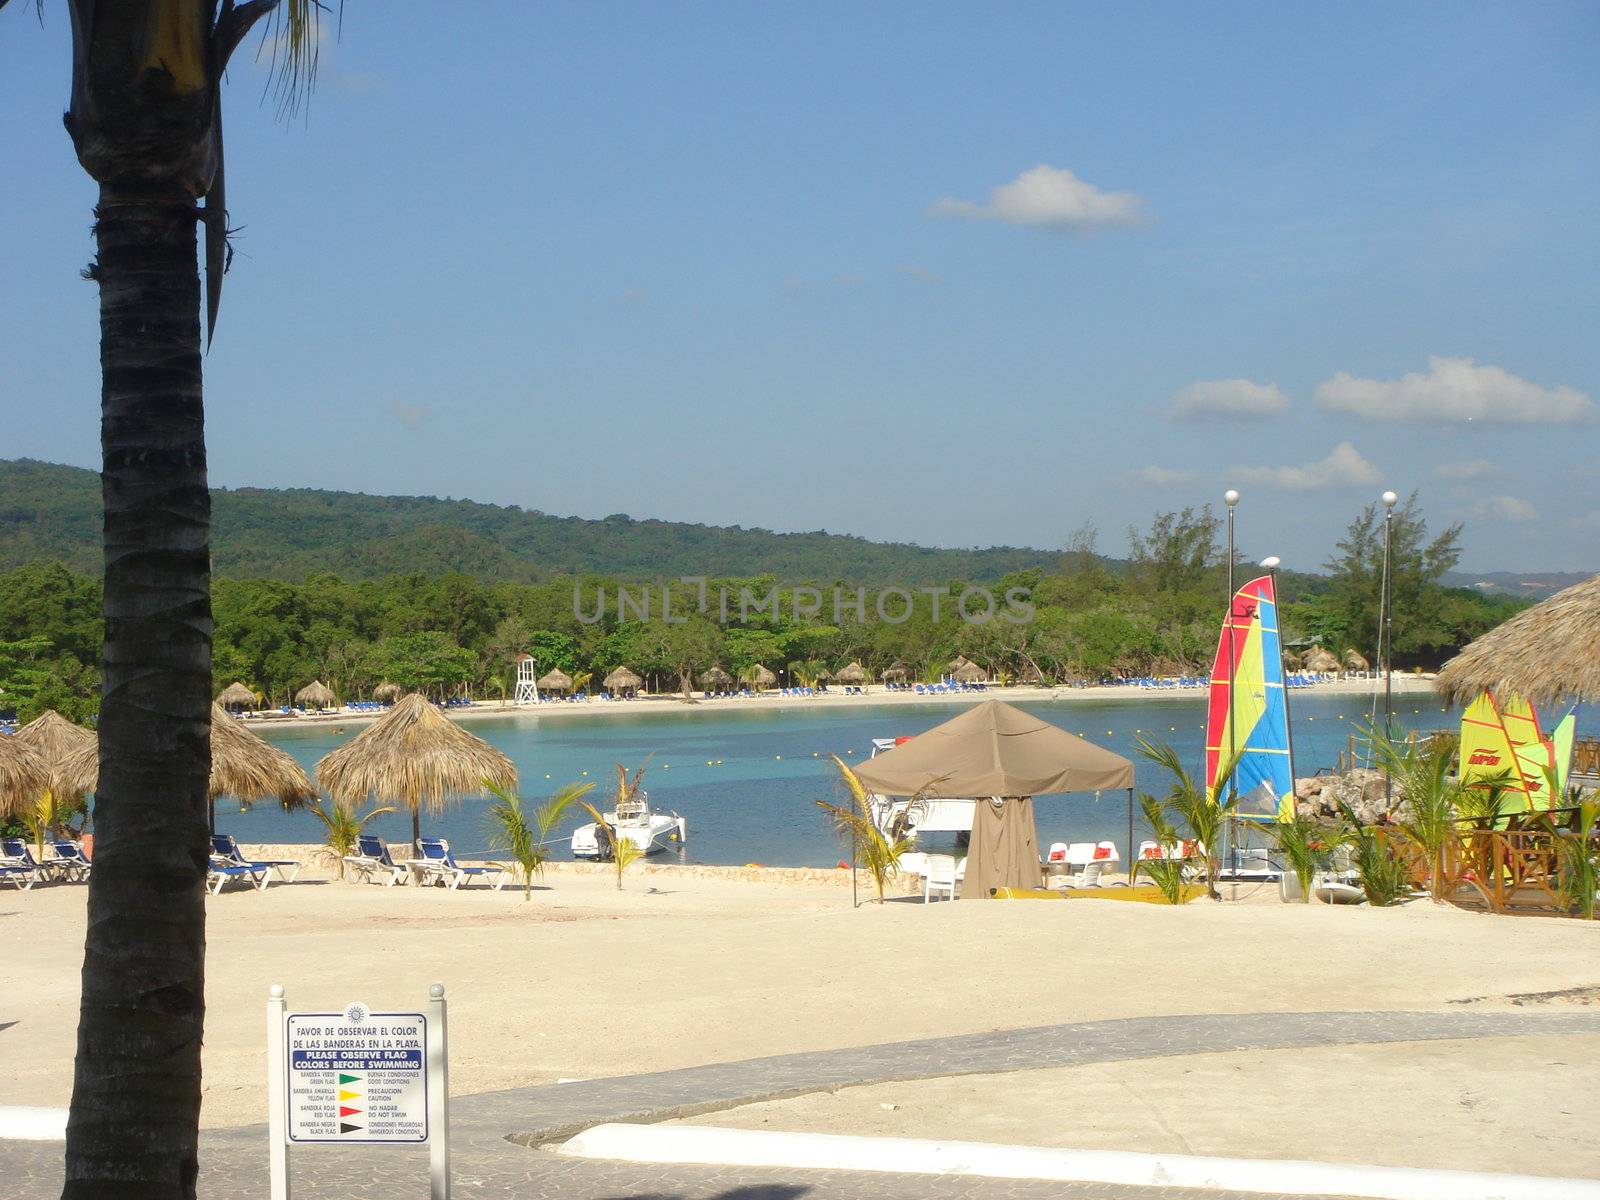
column 1383, row 874
column 343, row 828
column 1202, row 810
column 1578, row 874
column 525, row 838
column 879, row 853
column 1306, row 843
column 1165, row 872
column 1433, row 801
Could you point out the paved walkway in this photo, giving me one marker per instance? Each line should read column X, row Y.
column 487, row 1127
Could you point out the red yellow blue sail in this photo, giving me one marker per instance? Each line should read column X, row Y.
column 1249, row 713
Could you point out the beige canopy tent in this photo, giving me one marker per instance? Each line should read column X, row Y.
column 996, row 750
column 243, row 766
column 236, row 695
column 1547, row 653
column 316, row 694
column 416, row 755
column 556, row 680
column 623, row 680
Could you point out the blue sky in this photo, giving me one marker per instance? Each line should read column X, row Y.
column 953, row 274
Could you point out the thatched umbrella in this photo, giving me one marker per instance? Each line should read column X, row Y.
column 758, row 676
column 854, row 674
column 24, row 775
column 242, row 766
column 387, row 693
column 1356, row 661
column 896, row 672
column 416, row 755
column 823, row 675
column 623, row 679
column 56, row 738
column 1320, row 660
column 556, row 681
column 1548, row 653
column 236, row 695
column 970, row 672
column 956, row 663
column 716, row 680
column 317, row 694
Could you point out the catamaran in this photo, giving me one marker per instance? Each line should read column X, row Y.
column 1248, row 724
column 633, row 820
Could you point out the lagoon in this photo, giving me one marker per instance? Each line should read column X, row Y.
column 746, row 779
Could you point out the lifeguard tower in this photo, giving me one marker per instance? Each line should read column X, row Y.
column 527, row 688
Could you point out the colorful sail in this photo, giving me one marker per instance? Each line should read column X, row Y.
column 1249, row 714
column 1502, row 743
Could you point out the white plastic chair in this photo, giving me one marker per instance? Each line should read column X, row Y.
column 939, row 875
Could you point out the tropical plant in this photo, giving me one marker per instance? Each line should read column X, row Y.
column 1167, row 871
column 1578, row 874
column 527, row 841
column 621, row 852
column 1305, row 843
column 145, row 121
column 1201, row 809
column 1383, row 873
column 1433, row 797
column 878, row 852
column 39, row 818
column 342, row 827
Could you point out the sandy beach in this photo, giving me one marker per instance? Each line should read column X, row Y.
column 1409, row 685
column 697, row 965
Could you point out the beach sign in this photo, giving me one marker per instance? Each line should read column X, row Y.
column 358, row 1076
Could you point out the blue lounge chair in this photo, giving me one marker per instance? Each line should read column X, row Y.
column 223, row 845
column 221, row 871
column 372, row 860
column 18, row 867
column 67, row 859
column 438, row 865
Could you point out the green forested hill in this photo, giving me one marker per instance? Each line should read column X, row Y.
column 48, row 511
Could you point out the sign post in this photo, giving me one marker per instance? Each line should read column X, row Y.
column 358, row 1076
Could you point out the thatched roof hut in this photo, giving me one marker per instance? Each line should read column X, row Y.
column 242, row 766
column 55, row 739
column 316, row 694
column 956, row 663
column 823, row 675
column 1320, row 660
column 24, row 775
column 896, row 672
column 715, row 680
column 854, row 674
column 969, row 672
column 556, row 680
column 236, row 695
column 414, row 755
column 1356, row 661
column 758, row 677
column 623, row 679
column 1548, row 653
column 388, row 693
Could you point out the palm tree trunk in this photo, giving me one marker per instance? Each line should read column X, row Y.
column 136, row 1087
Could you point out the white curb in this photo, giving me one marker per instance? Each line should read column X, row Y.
column 758, row 1148
column 23, row 1124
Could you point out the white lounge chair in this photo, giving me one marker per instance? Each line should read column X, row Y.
column 437, row 865
column 372, row 861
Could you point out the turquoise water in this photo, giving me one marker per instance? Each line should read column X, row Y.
column 754, row 801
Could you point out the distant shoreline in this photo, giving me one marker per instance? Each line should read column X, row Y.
column 483, row 709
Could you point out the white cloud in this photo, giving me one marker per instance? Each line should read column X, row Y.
column 1473, row 468
column 1505, row 508
column 1231, row 399
column 1051, row 198
column 1161, row 476
column 1344, row 467
column 1456, row 389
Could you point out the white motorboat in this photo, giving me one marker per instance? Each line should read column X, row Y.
column 634, row 820
column 902, row 816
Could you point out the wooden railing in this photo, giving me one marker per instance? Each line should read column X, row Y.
column 1497, row 869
